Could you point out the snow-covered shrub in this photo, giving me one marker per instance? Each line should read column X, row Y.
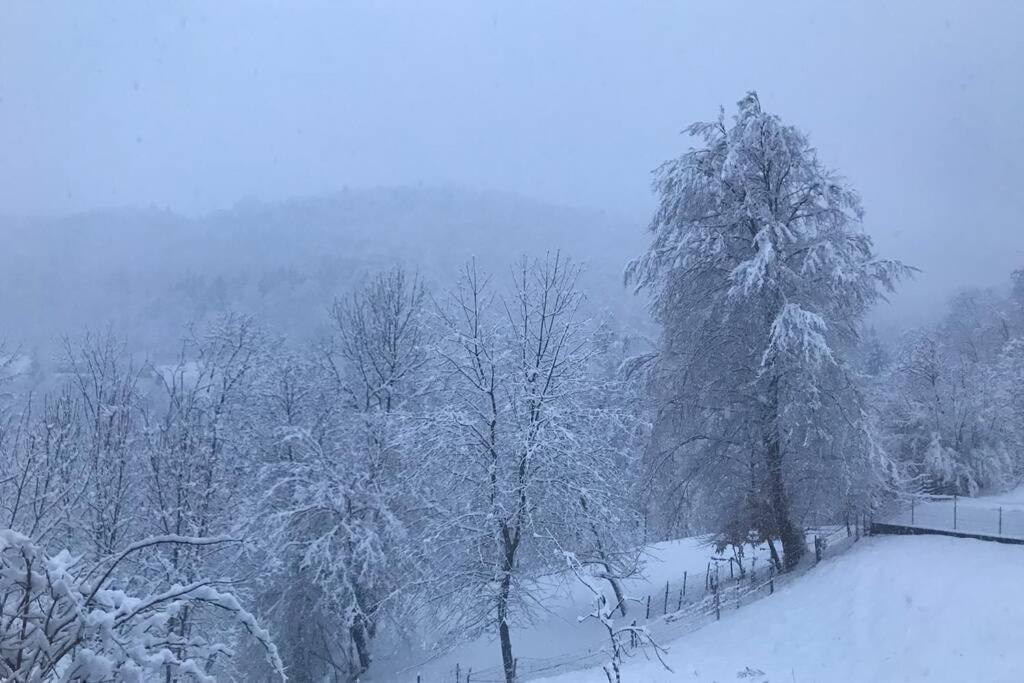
column 68, row 620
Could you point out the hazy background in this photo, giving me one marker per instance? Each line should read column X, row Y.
column 199, row 115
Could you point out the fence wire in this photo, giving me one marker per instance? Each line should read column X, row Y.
column 969, row 516
column 705, row 600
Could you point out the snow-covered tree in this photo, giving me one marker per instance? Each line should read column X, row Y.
column 624, row 641
column 198, row 458
column 43, row 476
column 522, row 457
column 1007, row 384
column 331, row 510
column 949, row 402
column 760, row 274
column 66, row 618
column 105, row 385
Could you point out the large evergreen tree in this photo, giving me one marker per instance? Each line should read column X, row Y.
column 760, row 274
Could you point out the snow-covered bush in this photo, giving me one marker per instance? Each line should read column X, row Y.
column 68, row 620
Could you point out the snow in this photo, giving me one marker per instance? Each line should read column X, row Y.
column 890, row 609
column 557, row 633
column 1014, row 497
column 996, row 515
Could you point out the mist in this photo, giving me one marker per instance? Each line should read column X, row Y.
column 194, row 107
column 584, row 341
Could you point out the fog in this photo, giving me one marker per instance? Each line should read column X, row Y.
column 193, row 107
column 371, row 342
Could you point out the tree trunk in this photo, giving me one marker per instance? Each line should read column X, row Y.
column 507, row 660
column 791, row 537
column 619, row 597
column 361, row 636
column 599, row 548
column 776, row 562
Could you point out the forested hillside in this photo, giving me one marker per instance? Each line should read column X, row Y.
column 150, row 272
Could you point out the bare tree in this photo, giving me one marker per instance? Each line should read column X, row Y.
column 105, row 382
column 623, row 641
column 517, row 468
column 380, row 341
column 196, row 454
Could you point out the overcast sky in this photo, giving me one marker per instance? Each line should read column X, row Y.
column 194, row 106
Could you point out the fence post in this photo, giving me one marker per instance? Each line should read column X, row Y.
column 679, row 606
column 771, row 580
column 817, row 549
column 458, row 674
column 684, row 583
column 1000, row 521
column 468, row 674
column 648, row 607
column 666, row 598
column 911, row 511
column 731, row 575
column 954, row 512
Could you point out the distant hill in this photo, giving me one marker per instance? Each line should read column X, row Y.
column 148, row 272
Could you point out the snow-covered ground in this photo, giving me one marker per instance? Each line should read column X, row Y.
column 1014, row 497
column 558, row 635
column 994, row 515
column 916, row 608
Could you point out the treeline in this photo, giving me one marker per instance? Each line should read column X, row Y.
column 952, row 394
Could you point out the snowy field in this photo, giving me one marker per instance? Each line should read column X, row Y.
column 1015, row 497
column 557, row 634
column 923, row 608
column 995, row 515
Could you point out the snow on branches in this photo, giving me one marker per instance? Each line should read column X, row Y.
column 760, row 274
column 65, row 619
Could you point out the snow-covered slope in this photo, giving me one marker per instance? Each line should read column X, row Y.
column 557, row 636
column 1014, row 497
column 924, row 608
